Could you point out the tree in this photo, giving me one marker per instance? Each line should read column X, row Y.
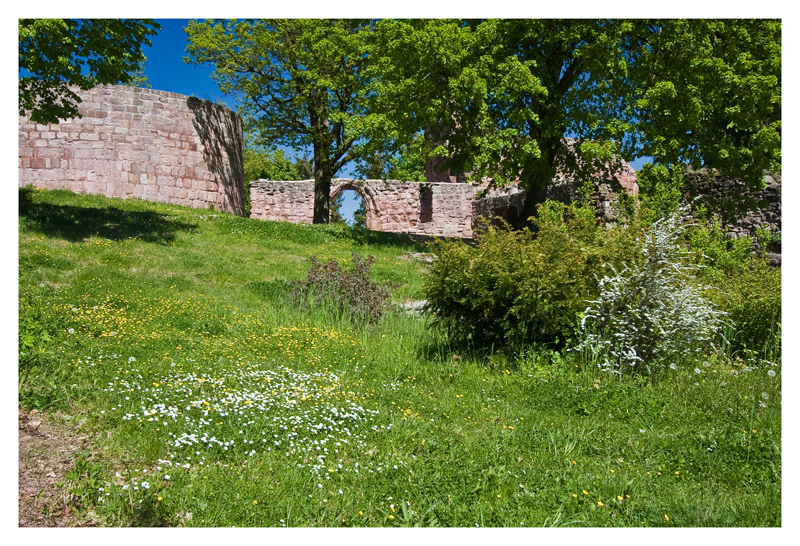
column 530, row 99
column 55, row 54
column 301, row 83
column 708, row 93
column 261, row 163
column 139, row 77
column 407, row 163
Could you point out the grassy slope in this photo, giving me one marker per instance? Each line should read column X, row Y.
column 180, row 326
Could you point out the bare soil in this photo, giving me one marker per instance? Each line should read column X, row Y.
column 48, row 445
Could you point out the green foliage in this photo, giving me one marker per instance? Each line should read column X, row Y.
column 139, row 78
column 709, row 94
column 745, row 287
column 502, row 95
column 57, row 53
column 408, row 164
column 38, row 330
column 263, row 164
column 661, row 190
column 512, row 288
column 349, row 290
column 359, row 214
column 752, row 300
column 336, row 210
column 718, row 255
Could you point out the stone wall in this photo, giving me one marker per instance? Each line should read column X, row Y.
column 731, row 197
column 139, row 143
column 439, row 209
column 426, row 208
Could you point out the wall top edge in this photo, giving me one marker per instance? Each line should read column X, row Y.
column 368, row 181
column 150, row 91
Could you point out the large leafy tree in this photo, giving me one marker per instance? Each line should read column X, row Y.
column 708, row 93
column 300, row 83
column 55, row 54
column 531, row 99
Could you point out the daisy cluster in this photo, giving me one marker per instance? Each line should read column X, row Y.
column 244, row 410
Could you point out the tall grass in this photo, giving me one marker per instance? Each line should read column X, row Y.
column 171, row 330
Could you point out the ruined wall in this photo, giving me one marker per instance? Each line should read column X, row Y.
column 139, row 143
column 726, row 195
column 439, row 209
column 426, row 208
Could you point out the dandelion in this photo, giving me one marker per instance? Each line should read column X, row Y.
column 391, row 516
column 160, row 498
column 771, row 373
column 765, row 396
column 600, row 503
column 255, row 502
column 673, row 366
column 666, row 517
column 619, row 497
column 71, row 331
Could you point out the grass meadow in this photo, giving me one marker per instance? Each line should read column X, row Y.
column 212, row 399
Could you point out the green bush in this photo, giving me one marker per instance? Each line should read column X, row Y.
column 745, row 287
column 514, row 287
column 752, row 300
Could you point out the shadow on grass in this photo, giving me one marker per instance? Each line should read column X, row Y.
column 409, row 241
column 76, row 223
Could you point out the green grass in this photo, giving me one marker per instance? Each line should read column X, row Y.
column 181, row 325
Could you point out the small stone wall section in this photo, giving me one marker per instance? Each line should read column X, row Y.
column 438, row 209
column 721, row 193
column 139, row 143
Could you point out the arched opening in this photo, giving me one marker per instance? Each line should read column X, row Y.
column 349, row 207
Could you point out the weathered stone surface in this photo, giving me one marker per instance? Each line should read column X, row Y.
column 742, row 210
column 391, row 205
column 129, row 139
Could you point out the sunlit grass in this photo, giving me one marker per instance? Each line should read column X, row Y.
column 214, row 401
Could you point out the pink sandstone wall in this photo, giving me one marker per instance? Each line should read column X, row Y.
column 139, row 143
column 440, row 209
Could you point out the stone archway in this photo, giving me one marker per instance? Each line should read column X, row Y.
column 367, row 196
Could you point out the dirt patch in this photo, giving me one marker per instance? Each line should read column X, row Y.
column 48, row 445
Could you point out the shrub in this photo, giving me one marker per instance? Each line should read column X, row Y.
column 752, row 300
column 347, row 290
column 650, row 312
column 745, row 286
column 514, row 288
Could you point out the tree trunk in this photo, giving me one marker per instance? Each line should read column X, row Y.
column 535, row 196
column 322, row 198
column 322, row 188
